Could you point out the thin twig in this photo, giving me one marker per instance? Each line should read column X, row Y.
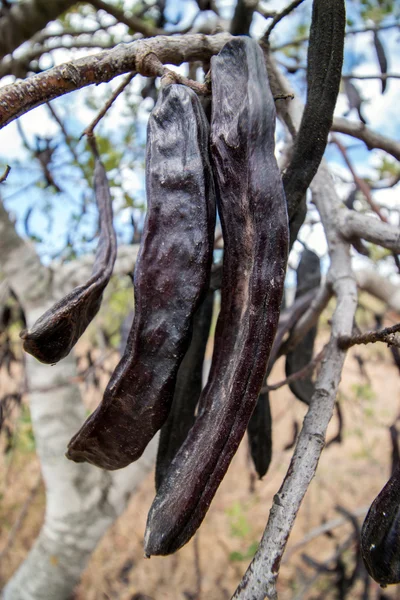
column 360, row 183
column 5, row 174
column 349, row 32
column 89, row 130
column 321, row 529
column 370, row 337
column 307, row 370
column 279, row 17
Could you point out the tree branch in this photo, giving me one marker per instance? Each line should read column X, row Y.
column 386, row 335
column 137, row 25
column 353, row 224
column 19, row 98
column 369, row 137
column 23, row 19
column 286, row 11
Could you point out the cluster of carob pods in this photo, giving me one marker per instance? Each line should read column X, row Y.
column 191, row 167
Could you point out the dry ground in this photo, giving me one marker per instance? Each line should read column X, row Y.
column 350, row 474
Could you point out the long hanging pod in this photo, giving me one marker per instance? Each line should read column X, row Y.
column 308, row 278
column 253, row 216
column 187, row 391
column 56, row 332
column 171, row 277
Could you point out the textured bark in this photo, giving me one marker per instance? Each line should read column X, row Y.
column 21, row 97
column 24, row 19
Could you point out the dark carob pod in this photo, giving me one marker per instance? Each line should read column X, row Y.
column 254, row 223
column 171, row 277
column 324, row 67
column 187, row 391
column 381, row 55
column 56, row 332
column 380, row 534
column 308, row 278
column 259, row 429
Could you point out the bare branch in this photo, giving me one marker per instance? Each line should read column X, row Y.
column 303, row 39
column 382, row 76
column 286, row 11
column 386, row 335
column 21, row 97
column 117, row 92
column 137, row 25
column 307, row 370
column 369, row 137
column 353, row 224
column 360, row 183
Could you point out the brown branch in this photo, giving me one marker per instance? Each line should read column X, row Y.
column 369, row 137
column 89, row 130
column 382, row 76
column 360, row 183
column 387, row 335
column 5, row 174
column 19, row 98
column 137, row 25
column 279, row 17
column 307, row 370
column 349, row 32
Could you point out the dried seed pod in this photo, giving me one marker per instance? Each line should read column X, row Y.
column 308, row 278
column 171, row 277
column 56, row 332
column 259, row 428
column 380, row 534
column 187, row 391
column 380, row 53
column 253, row 216
column 354, row 98
column 324, row 67
column 259, row 431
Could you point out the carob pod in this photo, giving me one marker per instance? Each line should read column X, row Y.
column 308, row 278
column 380, row 534
column 56, row 332
column 383, row 63
column 171, row 277
column 187, row 391
column 324, row 67
column 259, row 429
column 254, row 223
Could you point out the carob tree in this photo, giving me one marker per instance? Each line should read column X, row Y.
column 158, row 382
